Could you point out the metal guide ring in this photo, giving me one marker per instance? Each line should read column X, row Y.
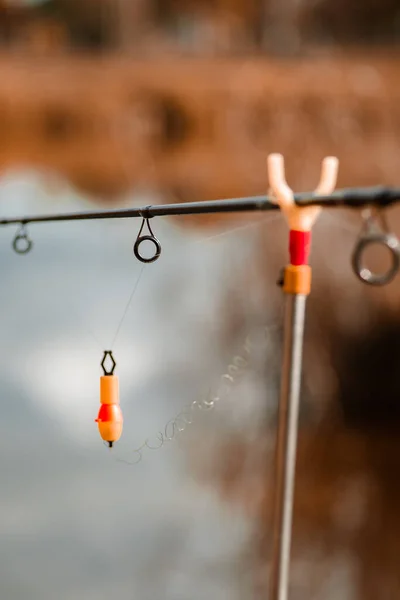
column 149, row 238
column 389, row 241
column 146, row 238
column 22, row 244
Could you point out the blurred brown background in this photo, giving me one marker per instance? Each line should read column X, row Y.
column 188, row 97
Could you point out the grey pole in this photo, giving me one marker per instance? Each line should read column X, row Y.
column 286, row 444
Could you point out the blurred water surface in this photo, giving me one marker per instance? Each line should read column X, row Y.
column 75, row 522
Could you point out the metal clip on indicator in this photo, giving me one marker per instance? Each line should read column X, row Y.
column 110, row 370
column 22, row 244
column 373, row 233
column 150, row 238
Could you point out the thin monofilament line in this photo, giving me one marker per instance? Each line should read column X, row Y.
column 237, row 367
column 264, row 221
column 339, row 221
column 127, row 306
column 90, row 332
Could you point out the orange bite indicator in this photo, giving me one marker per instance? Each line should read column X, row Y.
column 109, row 419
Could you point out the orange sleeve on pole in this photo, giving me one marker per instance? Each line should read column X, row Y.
column 297, row 279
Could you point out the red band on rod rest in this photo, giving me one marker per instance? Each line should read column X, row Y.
column 299, row 247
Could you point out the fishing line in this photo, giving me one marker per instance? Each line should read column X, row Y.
column 233, row 374
column 224, row 233
column 227, row 382
column 265, row 220
column 340, row 221
column 90, row 331
column 127, row 306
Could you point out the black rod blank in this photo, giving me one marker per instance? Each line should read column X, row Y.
column 350, row 197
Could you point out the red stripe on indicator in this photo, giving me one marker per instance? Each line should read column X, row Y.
column 299, row 247
column 109, row 413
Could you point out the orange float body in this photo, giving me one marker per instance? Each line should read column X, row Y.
column 109, row 419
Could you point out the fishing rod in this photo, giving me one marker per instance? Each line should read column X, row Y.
column 378, row 196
